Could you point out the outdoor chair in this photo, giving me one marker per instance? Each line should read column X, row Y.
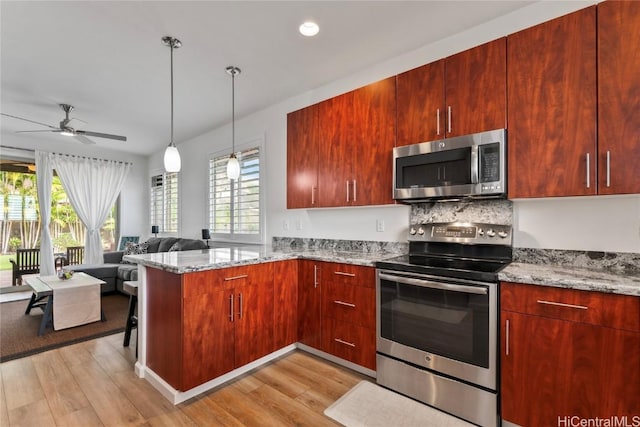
column 27, row 262
column 75, row 255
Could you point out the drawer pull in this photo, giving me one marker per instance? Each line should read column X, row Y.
column 236, row 277
column 348, row 304
column 341, row 273
column 559, row 304
column 350, row 344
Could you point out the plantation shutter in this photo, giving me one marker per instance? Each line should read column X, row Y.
column 164, row 202
column 234, row 206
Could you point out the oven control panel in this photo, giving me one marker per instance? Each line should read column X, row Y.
column 458, row 232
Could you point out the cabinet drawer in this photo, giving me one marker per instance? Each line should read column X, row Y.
column 352, row 304
column 349, row 274
column 197, row 283
column 597, row 308
column 350, row 342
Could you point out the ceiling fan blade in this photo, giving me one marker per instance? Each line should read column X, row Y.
column 101, row 135
column 31, row 121
column 28, row 131
column 83, row 139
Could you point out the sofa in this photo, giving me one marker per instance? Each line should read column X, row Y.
column 114, row 271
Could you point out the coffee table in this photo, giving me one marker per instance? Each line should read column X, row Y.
column 42, row 297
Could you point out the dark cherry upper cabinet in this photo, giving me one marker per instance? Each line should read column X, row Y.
column 373, row 139
column 339, row 151
column 335, row 150
column 462, row 94
column 551, row 103
column 302, row 157
column 618, row 97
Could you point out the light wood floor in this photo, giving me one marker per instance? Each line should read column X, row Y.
column 93, row 384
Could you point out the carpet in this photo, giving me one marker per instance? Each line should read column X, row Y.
column 19, row 332
column 369, row 405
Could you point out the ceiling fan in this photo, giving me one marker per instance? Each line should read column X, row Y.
column 66, row 128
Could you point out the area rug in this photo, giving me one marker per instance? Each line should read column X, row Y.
column 369, row 405
column 19, row 332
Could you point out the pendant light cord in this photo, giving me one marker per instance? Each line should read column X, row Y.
column 171, row 46
column 233, row 113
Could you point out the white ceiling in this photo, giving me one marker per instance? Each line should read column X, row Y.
column 106, row 58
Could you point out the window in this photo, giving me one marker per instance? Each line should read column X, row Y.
column 234, row 206
column 164, row 202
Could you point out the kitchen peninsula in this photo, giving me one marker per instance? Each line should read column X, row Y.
column 209, row 315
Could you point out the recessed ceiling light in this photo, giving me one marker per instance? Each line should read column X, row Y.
column 309, row 29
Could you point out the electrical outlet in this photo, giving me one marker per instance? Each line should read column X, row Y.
column 380, row 225
column 285, row 225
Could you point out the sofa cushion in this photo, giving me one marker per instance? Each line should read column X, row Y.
column 153, row 243
column 187, row 245
column 101, row 271
column 166, row 244
column 128, row 272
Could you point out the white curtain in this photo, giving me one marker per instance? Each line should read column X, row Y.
column 92, row 187
column 44, row 178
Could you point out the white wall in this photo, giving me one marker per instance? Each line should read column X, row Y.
column 532, row 229
column 134, row 206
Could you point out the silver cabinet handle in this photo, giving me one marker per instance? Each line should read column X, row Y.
column 588, row 171
column 341, row 273
column 354, row 190
column 240, row 306
column 449, row 113
column 438, row 122
column 231, row 307
column 347, row 304
column 560, row 304
column 315, row 276
column 608, row 168
column 313, row 191
column 243, row 276
column 350, row 344
column 506, row 337
column 347, row 191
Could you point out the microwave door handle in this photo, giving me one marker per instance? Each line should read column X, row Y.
column 474, row 164
column 479, row 290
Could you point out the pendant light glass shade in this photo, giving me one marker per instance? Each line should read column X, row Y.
column 233, row 166
column 172, row 162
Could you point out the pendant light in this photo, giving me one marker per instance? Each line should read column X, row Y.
column 233, row 166
column 171, row 156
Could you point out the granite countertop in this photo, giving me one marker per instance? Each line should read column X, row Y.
column 585, row 279
column 223, row 257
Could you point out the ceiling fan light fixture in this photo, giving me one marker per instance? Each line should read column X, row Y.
column 172, row 161
column 67, row 132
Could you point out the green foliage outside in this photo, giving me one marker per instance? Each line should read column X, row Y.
column 4, row 262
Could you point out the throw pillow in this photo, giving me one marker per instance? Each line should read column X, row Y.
column 136, row 248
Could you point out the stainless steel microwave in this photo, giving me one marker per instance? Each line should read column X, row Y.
column 453, row 168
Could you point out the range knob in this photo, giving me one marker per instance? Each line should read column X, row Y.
column 480, row 232
column 420, row 231
column 503, row 234
column 412, row 231
column 491, row 233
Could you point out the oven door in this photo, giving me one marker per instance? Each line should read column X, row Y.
column 443, row 324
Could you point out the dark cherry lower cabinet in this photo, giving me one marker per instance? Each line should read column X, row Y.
column 204, row 324
column 285, row 302
column 348, row 313
column 567, row 353
column 309, row 294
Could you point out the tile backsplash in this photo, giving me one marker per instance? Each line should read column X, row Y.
column 490, row 211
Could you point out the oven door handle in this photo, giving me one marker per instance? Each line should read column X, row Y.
column 480, row 290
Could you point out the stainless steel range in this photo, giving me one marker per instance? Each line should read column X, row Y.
column 437, row 318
